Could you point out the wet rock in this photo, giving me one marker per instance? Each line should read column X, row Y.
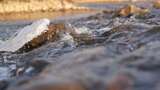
column 57, row 83
column 30, row 68
column 3, row 85
column 33, row 36
column 54, row 85
column 120, row 82
column 24, row 36
column 91, row 69
column 132, row 10
column 39, row 64
column 49, row 36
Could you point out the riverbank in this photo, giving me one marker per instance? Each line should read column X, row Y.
column 35, row 5
column 13, row 6
column 33, row 10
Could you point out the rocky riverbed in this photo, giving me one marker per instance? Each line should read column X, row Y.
column 100, row 51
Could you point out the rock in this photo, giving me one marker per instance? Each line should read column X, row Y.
column 128, row 58
column 3, row 84
column 55, row 86
column 132, row 10
column 120, row 82
column 48, row 36
column 90, row 69
column 33, row 36
column 39, row 64
column 156, row 4
column 30, row 68
column 25, row 35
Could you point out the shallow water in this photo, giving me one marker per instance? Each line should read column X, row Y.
column 119, row 35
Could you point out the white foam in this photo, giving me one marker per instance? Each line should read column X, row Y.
column 82, row 30
column 68, row 39
column 25, row 35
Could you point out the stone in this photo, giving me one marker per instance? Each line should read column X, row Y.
column 25, row 35
column 90, row 69
column 48, row 36
column 33, row 36
column 132, row 10
column 120, row 82
column 3, row 84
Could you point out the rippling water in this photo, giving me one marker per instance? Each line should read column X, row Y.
column 118, row 34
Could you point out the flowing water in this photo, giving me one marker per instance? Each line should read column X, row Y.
column 119, row 36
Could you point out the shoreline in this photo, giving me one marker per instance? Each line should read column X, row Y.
column 14, row 6
column 48, row 9
column 25, row 16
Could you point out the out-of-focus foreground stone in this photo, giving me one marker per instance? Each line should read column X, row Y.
column 90, row 69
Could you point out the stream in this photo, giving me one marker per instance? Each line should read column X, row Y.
column 107, row 51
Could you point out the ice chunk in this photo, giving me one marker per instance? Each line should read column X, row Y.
column 25, row 35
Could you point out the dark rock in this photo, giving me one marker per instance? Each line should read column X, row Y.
column 3, row 85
